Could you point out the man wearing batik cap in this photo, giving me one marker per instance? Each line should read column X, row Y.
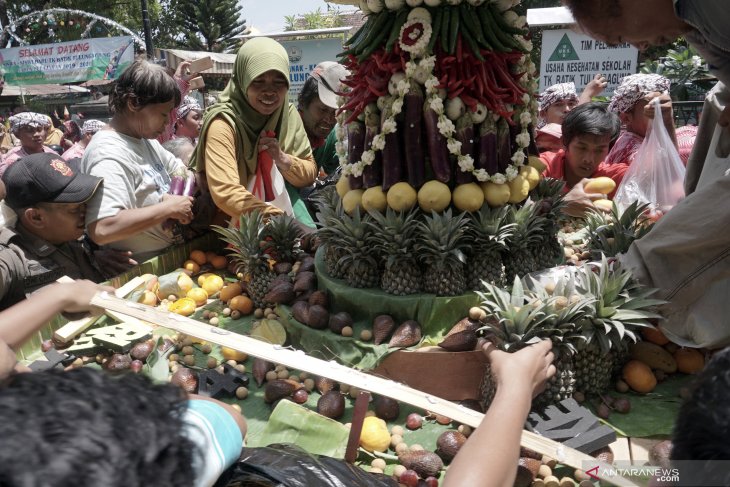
column 30, row 128
column 49, row 196
column 317, row 106
column 631, row 101
column 88, row 129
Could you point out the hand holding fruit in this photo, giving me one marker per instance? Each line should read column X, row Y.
column 271, row 145
column 533, row 365
column 179, row 207
column 578, row 200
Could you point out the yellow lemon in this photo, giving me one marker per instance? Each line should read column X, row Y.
column 536, row 162
column 199, row 295
column 213, row 284
column 531, row 174
column 231, row 354
column 373, row 199
column 374, row 435
column 184, row 283
column 343, row 186
column 203, row 277
column 352, row 200
column 496, row 194
column 434, row 196
column 401, row 197
column 603, row 185
column 183, row 306
column 468, row 197
column 519, row 188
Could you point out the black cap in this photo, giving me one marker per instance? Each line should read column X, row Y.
column 46, row 178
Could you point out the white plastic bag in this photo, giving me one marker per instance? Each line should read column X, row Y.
column 656, row 176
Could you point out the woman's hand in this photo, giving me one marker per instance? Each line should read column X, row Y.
column 178, row 208
column 271, row 145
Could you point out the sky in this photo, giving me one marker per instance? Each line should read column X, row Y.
column 268, row 15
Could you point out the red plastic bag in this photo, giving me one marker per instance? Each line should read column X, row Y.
column 656, row 177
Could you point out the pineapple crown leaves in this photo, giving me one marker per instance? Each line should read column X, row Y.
column 613, row 234
column 352, row 234
column 393, row 234
column 245, row 242
column 441, row 238
column 487, row 228
column 549, row 197
column 528, row 226
column 281, row 235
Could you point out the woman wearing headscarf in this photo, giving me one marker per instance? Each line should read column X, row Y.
column 253, row 122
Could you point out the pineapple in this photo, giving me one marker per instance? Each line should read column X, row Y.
column 393, row 236
column 330, row 212
column 488, row 234
column 549, row 197
column 519, row 319
column 350, row 236
column 440, row 247
column 249, row 254
column 619, row 308
column 613, row 234
column 519, row 261
column 282, row 235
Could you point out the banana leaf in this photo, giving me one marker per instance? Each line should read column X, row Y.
column 317, row 434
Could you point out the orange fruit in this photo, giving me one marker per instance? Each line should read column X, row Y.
column 203, row 277
column 654, row 335
column 191, row 266
column 199, row 295
column 219, row 262
column 689, row 360
column 209, row 255
column 213, row 284
column 639, row 376
column 183, row 306
column 230, row 291
column 230, row 354
column 199, row 257
column 242, row 304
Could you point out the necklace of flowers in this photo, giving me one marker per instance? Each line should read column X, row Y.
column 414, row 38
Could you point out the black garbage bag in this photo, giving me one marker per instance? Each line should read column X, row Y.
column 286, row 465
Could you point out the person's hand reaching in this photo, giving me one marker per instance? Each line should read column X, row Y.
column 529, row 368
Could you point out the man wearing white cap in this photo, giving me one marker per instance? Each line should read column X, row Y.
column 317, row 106
column 30, row 128
column 88, row 129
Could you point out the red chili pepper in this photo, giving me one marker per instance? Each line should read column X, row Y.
column 468, row 100
column 456, row 92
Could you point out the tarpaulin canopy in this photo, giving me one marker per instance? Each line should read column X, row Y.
column 47, row 89
column 222, row 63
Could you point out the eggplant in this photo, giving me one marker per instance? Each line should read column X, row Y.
column 392, row 155
column 372, row 175
column 438, row 151
column 355, row 148
column 504, row 145
column 465, row 135
column 177, row 184
column 413, row 136
column 191, row 186
column 487, row 150
column 514, row 130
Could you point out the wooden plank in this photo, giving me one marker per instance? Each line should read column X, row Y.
column 640, row 449
column 299, row 360
column 621, row 449
column 72, row 329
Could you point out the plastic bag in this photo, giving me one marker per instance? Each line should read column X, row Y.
column 657, row 175
column 283, row 465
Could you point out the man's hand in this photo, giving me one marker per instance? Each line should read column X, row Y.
column 531, row 367
column 183, row 73
column 594, row 88
column 178, row 208
column 76, row 296
column 665, row 103
column 271, row 145
column 578, row 202
column 114, row 262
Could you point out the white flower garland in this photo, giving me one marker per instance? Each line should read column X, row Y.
column 445, row 125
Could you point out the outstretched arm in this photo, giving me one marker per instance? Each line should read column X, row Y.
column 491, row 454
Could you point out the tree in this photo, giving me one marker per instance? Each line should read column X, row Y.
column 211, row 25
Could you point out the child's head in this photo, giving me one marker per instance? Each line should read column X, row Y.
column 628, row 100
column 557, row 101
column 702, row 430
column 87, row 427
column 588, row 132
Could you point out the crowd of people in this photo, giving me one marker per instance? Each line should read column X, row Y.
column 100, row 202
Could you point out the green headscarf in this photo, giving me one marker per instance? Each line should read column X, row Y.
column 254, row 58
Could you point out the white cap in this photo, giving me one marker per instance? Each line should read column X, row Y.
column 328, row 75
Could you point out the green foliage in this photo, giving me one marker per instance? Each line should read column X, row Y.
column 682, row 64
column 211, row 25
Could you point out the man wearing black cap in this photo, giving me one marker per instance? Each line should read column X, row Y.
column 49, row 196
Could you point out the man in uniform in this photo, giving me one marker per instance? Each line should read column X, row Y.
column 49, row 196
